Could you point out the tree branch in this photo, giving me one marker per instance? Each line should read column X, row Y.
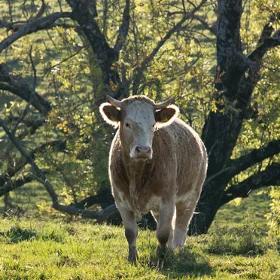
column 20, row 88
column 242, row 163
column 7, row 25
column 231, row 63
column 11, row 171
column 103, row 198
column 14, row 184
column 32, row 26
column 264, row 46
column 101, row 55
column 14, row 26
column 211, row 28
column 123, row 30
column 138, row 75
column 255, row 156
column 268, row 177
column 40, row 177
column 267, row 39
column 33, row 123
column 41, row 10
column 84, row 12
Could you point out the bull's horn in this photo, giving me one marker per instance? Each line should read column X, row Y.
column 114, row 102
column 165, row 103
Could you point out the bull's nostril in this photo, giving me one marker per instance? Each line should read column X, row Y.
column 142, row 149
column 138, row 149
column 147, row 149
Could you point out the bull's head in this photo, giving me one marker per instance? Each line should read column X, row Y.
column 137, row 118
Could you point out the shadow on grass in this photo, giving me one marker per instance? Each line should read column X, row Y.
column 243, row 240
column 184, row 263
column 17, row 234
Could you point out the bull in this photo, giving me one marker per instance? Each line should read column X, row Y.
column 157, row 163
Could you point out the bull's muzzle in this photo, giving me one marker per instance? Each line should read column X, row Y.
column 141, row 152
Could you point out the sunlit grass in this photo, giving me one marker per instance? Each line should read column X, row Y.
column 56, row 248
column 42, row 245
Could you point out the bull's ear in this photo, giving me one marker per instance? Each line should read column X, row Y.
column 167, row 114
column 110, row 114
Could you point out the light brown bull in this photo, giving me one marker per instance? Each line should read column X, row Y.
column 157, row 163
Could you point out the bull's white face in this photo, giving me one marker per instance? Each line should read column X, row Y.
column 137, row 130
column 137, row 120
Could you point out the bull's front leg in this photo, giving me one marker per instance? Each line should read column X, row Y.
column 131, row 232
column 164, row 228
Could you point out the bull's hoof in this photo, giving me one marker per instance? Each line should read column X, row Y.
column 132, row 255
column 160, row 264
column 157, row 264
column 161, row 253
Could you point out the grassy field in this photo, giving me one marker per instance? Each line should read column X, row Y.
column 237, row 247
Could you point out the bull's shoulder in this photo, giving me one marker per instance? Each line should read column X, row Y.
column 117, row 171
column 186, row 140
column 182, row 129
column 183, row 132
column 175, row 133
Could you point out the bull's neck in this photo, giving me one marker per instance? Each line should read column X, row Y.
column 138, row 171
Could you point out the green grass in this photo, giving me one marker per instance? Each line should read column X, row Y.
column 33, row 249
column 237, row 247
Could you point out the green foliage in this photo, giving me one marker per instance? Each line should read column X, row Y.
column 273, row 218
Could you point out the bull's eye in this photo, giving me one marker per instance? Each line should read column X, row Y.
column 127, row 125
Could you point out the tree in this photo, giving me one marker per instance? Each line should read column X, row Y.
column 236, row 78
column 119, row 52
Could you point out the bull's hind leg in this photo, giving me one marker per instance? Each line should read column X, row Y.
column 130, row 225
column 184, row 213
